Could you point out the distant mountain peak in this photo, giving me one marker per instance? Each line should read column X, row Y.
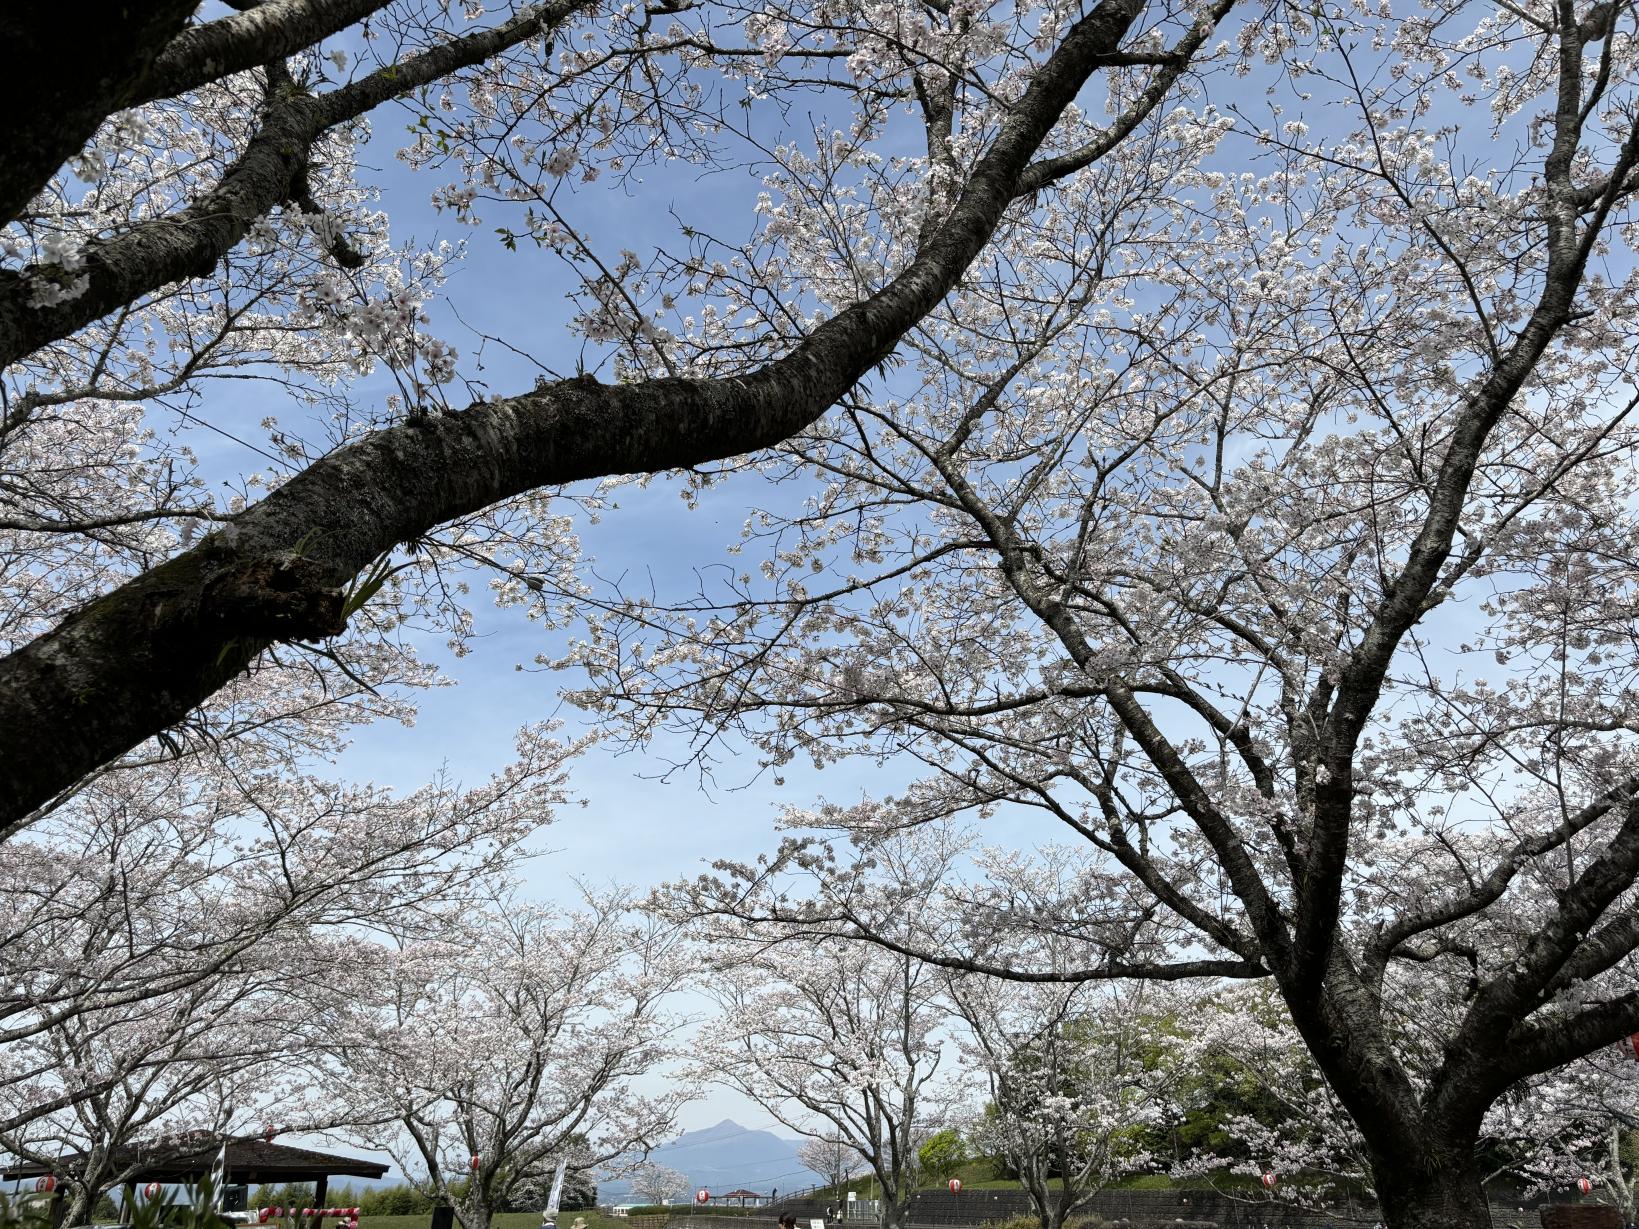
column 730, row 1156
column 724, row 1127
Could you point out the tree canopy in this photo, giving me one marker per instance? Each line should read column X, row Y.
column 1206, row 428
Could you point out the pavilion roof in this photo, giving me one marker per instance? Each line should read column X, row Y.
column 249, row 1160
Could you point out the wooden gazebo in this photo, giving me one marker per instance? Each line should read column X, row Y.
column 249, row 1160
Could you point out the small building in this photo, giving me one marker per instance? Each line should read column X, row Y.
column 746, row 1198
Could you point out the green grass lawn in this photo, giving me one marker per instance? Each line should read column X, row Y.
column 503, row 1220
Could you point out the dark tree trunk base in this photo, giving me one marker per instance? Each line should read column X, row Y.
column 1453, row 1200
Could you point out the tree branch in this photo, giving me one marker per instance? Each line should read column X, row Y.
column 135, row 661
column 271, row 170
column 62, row 72
column 269, row 31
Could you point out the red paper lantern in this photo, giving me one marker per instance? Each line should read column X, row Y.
column 1269, row 1181
column 1584, row 1185
column 702, row 1195
column 474, row 1162
column 268, row 1133
column 955, row 1186
column 47, row 1183
column 263, row 1215
column 151, row 1191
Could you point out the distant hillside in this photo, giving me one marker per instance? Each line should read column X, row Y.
column 727, row 1157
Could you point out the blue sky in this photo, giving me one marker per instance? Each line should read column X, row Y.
column 634, row 829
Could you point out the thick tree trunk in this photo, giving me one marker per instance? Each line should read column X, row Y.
column 1039, row 1189
column 896, row 1200
column 79, row 1206
column 79, row 1202
column 473, row 1214
column 1441, row 1190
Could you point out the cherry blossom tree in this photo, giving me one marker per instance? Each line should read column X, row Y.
column 1543, row 1135
column 1295, row 1127
column 1265, row 524
column 1576, row 1123
column 1614, row 1106
column 509, row 1043
column 169, row 925
column 188, row 211
column 175, row 1074
column 836, row 1041
column 1068, row 1087
column 1616, row 1171
column 829, row 1155
column 658, row 1184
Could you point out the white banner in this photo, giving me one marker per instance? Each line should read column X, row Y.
column 219, row 1177
column 556, row 1196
